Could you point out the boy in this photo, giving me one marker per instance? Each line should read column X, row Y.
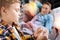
column 9, row 11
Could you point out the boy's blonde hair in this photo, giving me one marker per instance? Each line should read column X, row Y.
column 7, row 3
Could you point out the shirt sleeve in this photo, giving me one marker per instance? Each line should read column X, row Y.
column 9, row 34
column 35, row 22
column 49, row 22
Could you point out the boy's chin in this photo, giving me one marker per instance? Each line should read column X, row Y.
column 15, row 21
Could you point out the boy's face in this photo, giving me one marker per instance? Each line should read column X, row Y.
column 12, row 13
column 45, row 9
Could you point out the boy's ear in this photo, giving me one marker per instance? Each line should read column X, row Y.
column 3, row 10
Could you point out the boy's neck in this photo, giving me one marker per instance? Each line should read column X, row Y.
column 7, row 22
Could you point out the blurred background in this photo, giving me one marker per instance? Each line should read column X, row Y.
column 55, row 3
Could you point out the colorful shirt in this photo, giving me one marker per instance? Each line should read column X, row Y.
column 6, row 32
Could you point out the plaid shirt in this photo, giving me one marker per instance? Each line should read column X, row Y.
column 6, row 32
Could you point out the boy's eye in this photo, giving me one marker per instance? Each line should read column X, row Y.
column 16, row 10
